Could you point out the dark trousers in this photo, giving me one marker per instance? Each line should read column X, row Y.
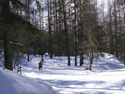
column 40, row 67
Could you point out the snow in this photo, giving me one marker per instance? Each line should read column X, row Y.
column 107, row 75
column 14, row 83
column 1, row 60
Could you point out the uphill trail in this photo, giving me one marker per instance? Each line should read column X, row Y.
column 75, row 80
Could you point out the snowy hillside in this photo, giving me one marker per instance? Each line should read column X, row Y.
column 107, row 75
column 13, row 83
column 107, row 62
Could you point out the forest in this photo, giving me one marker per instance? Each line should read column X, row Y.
column 61, row 28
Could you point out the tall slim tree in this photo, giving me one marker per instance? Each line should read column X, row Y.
column 66, row 31
column 6, row 31
column 50, row 47
column 75, row 30
column 116, row 29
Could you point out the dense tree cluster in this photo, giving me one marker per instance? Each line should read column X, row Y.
column 115, row 29
column 19, row 32
column 79, row 27
column 74, row 28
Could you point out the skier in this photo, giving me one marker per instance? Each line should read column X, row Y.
column 40, row 65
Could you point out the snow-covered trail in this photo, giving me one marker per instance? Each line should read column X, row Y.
column 76, row 80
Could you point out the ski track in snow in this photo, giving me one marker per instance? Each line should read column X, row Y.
column 75, row 80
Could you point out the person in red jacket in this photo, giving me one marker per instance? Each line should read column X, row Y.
column 40, row 65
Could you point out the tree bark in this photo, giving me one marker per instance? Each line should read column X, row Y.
column 81, row 59
column 66, row 32
column 116, row 35
column 50, row 29
column 6, row 40
column 91, row 61
column 75, row 33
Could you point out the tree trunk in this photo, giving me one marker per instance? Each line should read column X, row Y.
column 5, row 23
column 66, row 32
column 110, row 32
column 91, row 61
column 75, row 33
column 50, row 29
column 124, row 59
column 28, row 57
column 116, row 35
column 81, row 59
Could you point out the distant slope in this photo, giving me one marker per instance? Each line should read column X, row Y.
column 107, row 62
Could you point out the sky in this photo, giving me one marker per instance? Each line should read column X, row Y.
column 106, row 3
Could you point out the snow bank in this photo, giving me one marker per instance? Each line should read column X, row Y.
column 107, row 62
column 14, row 83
